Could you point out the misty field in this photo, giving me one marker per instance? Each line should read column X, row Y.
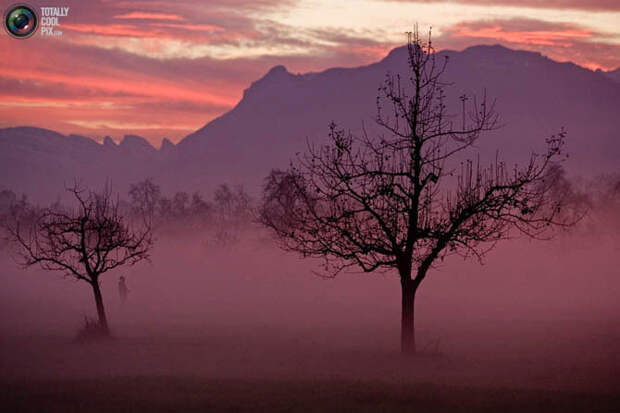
column 252, row 329
column 189, row 394
column 271, row 370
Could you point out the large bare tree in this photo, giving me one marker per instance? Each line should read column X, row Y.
column 406, row 198
column 84, row 242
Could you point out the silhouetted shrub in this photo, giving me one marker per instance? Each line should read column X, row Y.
column 91, row 331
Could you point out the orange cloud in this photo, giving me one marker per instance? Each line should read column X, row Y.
column 560, row 37
column 149, row 16
column 559, row 41
column 211, row 28
column 137, row 86
column 598, row 5
column 110, row 30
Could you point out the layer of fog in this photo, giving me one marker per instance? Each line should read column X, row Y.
column 540, row 314
column 539, row 306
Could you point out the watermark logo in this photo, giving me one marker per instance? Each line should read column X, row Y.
column 22, row 20
column 50, row 20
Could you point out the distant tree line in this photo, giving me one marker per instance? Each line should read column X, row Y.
column 223, row 218
column 231, row 210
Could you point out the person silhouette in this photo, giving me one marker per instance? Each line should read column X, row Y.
column 122, row 289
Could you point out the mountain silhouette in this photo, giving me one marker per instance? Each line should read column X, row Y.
column 281, row 113
column 614, row 74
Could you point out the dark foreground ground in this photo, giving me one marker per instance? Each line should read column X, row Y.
column 531, row 331
column 183, row 394
column 248, row 373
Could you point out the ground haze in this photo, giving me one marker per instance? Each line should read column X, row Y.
column 244, row 327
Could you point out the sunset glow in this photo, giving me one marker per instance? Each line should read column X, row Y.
column 121, row 64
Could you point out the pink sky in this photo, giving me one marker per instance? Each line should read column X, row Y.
column 163, row 69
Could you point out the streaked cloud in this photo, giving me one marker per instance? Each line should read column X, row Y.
column 597, row 5
column 562, row 37
column 136, row 15
column 122, row 66
column 559, row 41
column 123, row 126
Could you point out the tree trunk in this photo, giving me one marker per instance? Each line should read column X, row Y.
column 407, row 331
column 103, row 321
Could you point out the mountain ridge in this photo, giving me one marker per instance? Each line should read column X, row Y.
column 281, row 111
column 280, row 72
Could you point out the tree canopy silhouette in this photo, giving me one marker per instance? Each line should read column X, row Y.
column 407, row 198
column 84, row 242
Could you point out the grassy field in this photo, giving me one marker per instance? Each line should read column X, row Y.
column 182, row 394
column 232, row 373
column 191, row 340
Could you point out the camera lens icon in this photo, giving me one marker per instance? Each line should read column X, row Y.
column 21, row 21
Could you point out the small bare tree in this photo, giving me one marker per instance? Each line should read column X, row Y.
column 406, row 199
column 83, row 242
column 233, row 212
column 145, row 196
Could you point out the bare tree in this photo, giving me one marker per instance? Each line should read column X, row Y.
column 201, row 211
column 145, row 196
column 83, row 242
column 12, row 209
column 407, row 198
column 180, row 203
column 233, row 212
